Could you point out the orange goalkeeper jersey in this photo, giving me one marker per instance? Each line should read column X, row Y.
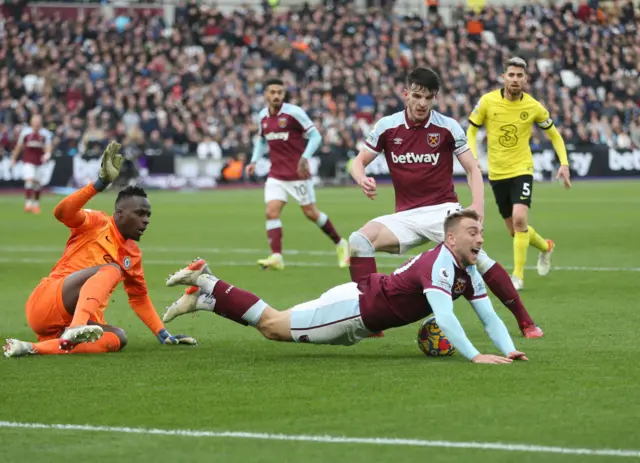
column 95, row 240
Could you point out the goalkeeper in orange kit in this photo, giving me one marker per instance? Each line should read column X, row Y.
column 66, row 310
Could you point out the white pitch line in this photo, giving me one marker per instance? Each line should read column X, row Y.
column 330, row 439
column 234, row 263
column 192, row 252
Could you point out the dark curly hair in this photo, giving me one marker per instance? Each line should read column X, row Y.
column 130, row 192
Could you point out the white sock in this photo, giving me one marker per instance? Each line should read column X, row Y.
column 207, row 283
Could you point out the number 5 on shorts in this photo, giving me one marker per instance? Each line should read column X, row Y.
column 526, row 189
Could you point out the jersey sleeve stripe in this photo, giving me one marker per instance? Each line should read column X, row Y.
column 370, row 148
column 462, row 149
column 545, row 127
column 435, row 288
column 474, row 124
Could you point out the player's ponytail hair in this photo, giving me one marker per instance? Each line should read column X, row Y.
column 455, row 218
column 424, row 78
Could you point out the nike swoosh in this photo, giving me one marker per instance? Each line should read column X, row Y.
column 107, row 238
column 523, row 197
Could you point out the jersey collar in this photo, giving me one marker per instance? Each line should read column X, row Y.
column 455, row 259
column 276, row 114
column 409, row 124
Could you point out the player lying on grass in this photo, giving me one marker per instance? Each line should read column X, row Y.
column 428, row 283
column 66, row 308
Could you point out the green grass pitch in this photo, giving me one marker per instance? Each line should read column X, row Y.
column 580, row 389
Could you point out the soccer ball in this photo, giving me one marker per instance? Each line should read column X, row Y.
column 431, row 340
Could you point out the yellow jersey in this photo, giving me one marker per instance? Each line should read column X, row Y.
column 508, row 125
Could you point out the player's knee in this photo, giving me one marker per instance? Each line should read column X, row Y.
column 273, row 214
column 271, row 330
column 122, row 337
column 116, row 266
column 360, row 245
column 519, row 223
column 275, row 325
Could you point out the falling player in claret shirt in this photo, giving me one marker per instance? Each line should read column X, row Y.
column 288, row 134
column 344, row 315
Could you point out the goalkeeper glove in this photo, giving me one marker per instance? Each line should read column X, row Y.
column 109, row 166
column 165, row 338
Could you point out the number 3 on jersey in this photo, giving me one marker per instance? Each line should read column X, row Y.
column 509, row 139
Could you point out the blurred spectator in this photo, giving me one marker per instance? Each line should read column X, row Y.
column 233, row 171
column 209, row 148
column 196, row 88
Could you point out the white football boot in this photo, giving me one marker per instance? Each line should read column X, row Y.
column 517, row 283
column 79, row 334
column 544, row 260
column 17, row 348
column 193, row 299
column 189, row 274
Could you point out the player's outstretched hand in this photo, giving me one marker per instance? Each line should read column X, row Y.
column 165, row 338
column 110, row 163
column 303, row 169
column 250, row 169
column 488, row 358
column 368, row 185
column 565, row 175
column 517, row 355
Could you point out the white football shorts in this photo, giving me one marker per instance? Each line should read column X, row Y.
column 279, row 190
column 33, row 172
column 418, row 226
column 333, row 318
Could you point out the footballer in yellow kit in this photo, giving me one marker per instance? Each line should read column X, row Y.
column 508, row 115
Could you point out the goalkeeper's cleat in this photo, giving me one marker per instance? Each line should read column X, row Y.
column 532, row 332
column 344, row 256
column 544, row 260
column 17, row 348
column 192, row 300
column 189, row 274
column 79, row 334
column 517, row 283
column 274, row 261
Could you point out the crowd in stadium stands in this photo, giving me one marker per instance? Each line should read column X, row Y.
column 196, row 88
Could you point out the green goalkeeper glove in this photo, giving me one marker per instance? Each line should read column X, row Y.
column 109, row 166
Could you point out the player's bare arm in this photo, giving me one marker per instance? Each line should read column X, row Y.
column 357, row 171
column 557, row 141
column 16, row 152
column 48, row 148
column 475, row 181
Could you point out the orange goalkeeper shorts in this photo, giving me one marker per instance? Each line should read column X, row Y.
column 45, row 310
